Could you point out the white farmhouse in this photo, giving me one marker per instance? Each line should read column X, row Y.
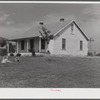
column 68, row 39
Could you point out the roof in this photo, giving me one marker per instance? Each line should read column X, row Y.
column 54, row 27
column 2, row 38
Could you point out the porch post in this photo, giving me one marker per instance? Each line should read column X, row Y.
column 39, row 44
column 7, row 47
column 17, row 46
column 27, row 45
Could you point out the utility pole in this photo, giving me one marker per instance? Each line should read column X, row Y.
column 91, row 40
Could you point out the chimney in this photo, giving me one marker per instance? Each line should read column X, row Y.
column 62, row 19
column 41, row 23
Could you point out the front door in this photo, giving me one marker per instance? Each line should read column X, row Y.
column 43, row 44
column 32, row 44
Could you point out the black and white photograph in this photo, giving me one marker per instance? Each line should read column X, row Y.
column 49, row 45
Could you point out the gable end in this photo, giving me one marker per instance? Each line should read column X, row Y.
column 59, row 32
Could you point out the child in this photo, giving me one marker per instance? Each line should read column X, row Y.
column 5, row 60
column 17, row 59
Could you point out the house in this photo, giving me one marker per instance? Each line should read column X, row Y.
column 68, row 39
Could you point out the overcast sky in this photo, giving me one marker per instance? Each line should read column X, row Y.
column 19, row 17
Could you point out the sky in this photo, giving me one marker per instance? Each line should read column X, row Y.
column 19, row 17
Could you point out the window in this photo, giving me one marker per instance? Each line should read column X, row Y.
column 81, row 45
column 22, row 45
column 42, row 43
column 72, row 28
column 63, row 43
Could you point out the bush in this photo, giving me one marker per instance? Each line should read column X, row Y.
column 90, row 54
column 33, row 53
column 11, row 54
column 98, row 54
column 11, row 48
column 18, row 55
column 48, row 52
column 3, row 52
column 30, row 50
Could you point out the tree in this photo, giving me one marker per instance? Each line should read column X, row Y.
column 3, row 44
column 46, row 34
column 11, row 48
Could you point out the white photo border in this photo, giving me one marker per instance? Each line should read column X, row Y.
column 50, row 93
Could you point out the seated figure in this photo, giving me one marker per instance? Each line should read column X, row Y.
column 5, row 60
column 17, row 59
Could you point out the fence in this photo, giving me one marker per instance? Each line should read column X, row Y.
column 3, row 52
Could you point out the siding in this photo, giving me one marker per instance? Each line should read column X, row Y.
column 72, row 43
column 51, row 46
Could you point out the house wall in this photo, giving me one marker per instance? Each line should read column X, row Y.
column 72, row 43
column 51, row 46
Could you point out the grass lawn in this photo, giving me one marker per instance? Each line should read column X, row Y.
column 51, row 72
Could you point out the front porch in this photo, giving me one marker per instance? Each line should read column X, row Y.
column 25, row 45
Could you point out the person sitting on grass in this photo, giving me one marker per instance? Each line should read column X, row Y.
column 5, row 60
column 17, row 59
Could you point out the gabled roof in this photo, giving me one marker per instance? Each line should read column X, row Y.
column 81, row 31
column 55, row 28
column 76, row 26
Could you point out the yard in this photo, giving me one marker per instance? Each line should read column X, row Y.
column 51, row 72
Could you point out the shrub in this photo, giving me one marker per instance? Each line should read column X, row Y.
column 48, row 52
column 18, row 55
column 11, row 48
column 98, row 54
column 11, row 54
column 90, row 54
column 33, row 53
column 30, row 50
